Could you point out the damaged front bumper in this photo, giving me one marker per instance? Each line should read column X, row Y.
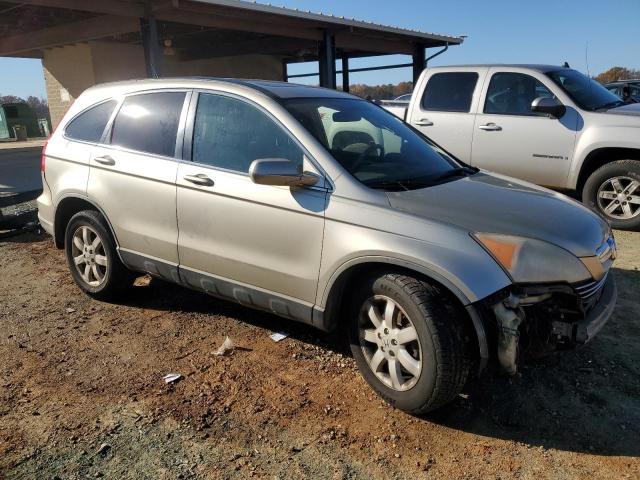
column 533, row 320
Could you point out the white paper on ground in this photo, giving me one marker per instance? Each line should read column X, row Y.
column 276, row 337
column 227, row 346
column 171, row 377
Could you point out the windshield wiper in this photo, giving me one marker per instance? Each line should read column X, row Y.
column 609, row 105
column 455, row 172
column 385, row 184
column 421, row 182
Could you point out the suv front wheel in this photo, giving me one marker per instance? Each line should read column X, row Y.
column 614, row 191
column 92, row 257
column 407, row 337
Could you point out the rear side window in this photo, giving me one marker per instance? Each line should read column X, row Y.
column 149, row 123
column 450, row 92
column 89, row 125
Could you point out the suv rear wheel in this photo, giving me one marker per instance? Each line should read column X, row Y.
column 407, row 339
column 92, row 257
column 614, row 191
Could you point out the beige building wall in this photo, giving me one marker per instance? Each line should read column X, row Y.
column 69, row 70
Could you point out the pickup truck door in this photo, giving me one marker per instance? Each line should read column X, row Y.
column 510, row 139
column 444, row 105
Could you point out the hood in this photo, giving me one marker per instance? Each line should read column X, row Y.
column 629, row 109
column 497, row 204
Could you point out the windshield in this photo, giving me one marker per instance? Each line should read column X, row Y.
column 377, row 148
column 586, row 92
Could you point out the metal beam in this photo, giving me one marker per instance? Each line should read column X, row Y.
column 419, row 62
column 109, row 7
column 150, row 45
column 198, row 49
column 328, row 61
column 65, row 34
column 356, row 70
column 345, row 73
column 226, row 23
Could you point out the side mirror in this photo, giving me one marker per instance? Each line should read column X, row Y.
column 280, row 171
column 548, row 106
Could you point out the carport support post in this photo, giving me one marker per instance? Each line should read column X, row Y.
column 328, row 61
column 285, row 70
column 150, row 45
column 419, row 62
column 345, row 73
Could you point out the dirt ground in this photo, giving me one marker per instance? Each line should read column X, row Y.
column 82, row 394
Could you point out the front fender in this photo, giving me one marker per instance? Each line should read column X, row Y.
column 450, row 256
column 592, row 139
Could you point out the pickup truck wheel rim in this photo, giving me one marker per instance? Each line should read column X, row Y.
column 390, row 343
column 619, row 198
column 89, row 257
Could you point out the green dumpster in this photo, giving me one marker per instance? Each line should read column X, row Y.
column 4, row 127
column 20, row 114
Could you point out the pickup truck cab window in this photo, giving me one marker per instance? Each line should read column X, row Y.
column 512, row 93
column 450, row 92
column 220, row 135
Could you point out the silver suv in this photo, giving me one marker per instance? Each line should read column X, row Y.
column 325, row 209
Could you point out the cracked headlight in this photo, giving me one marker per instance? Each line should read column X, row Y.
column 528, row 260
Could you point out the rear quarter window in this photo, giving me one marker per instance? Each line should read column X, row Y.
column 450, row 92
column 89, row 125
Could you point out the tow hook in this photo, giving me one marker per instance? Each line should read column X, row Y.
column 509, row 316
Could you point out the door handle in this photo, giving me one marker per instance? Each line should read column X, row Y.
column 490, row 127
column 200, row 179
column 106, row 160
column 424, row 122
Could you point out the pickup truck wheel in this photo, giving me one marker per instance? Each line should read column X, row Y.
column 614, row 191
column 92, row 257
column 407, row 339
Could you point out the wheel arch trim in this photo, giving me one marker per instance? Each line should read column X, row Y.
column 323, row 315
column 77, row 196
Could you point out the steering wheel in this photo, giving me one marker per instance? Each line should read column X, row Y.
column 374, row 147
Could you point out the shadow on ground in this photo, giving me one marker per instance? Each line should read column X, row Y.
column 586, row 400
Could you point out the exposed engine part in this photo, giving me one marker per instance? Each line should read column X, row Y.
column 509, row 316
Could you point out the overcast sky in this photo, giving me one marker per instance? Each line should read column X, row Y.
column 500, row 31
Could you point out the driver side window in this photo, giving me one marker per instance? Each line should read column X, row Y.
column 512, row 94
column 230, row 133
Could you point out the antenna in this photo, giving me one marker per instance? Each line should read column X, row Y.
column 586, row 58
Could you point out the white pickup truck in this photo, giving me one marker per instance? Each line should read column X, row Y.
column 546, row 124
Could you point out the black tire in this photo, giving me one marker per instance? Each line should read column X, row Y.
column 117, row 278
column 441, row 330
column 629, row 169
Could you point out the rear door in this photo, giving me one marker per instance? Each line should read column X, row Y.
column 133, row 178
column 445, row 112
column 511, row 139
column 258, row 244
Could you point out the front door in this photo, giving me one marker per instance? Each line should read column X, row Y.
column 259, row 244
column 511, row 139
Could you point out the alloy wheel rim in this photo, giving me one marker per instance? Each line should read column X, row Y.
column 390, row 344
column 619, row 198
column 89, row 257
